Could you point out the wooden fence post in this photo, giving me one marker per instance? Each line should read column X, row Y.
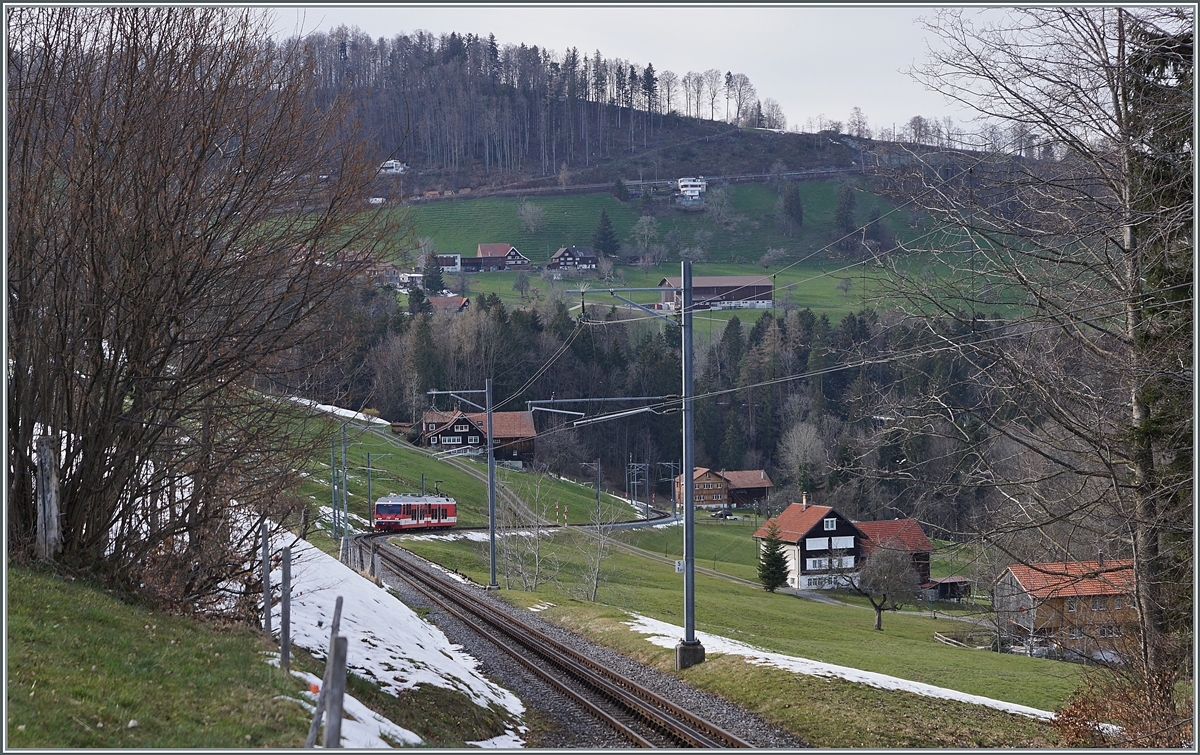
column 49, row 527
column 322, row 694
column 266, row 579
column 285, row 613
column 337, row 692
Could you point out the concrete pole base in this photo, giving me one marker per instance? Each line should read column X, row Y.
column 688, row 654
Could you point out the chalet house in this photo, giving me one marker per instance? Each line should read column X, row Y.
column 720, row 292
column 726, row 489
column 899, row 534
column 450, row 263
column 451, row 304
column 820, row 545
column 512, row 433
column 1080, row 607
column 501, row 257
column 384, row 274
column 573, row 258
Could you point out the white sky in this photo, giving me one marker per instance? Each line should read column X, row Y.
column 813, row 60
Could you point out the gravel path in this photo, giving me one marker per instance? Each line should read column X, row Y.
column 559, row 723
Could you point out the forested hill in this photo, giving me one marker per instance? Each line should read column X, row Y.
column 467, row 111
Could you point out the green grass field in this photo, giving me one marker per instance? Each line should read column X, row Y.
column 458, row 227
column 832, row 633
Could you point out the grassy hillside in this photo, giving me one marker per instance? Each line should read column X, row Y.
column 458, row 227
column 83, row 665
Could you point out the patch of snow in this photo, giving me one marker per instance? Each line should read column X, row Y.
column 339, row 412
column 541, row 607
column 506, row 741
column 388, row 643
column 667, row 635
column 362, row 728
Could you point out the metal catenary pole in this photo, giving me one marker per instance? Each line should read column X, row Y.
column 491, row 460
column 689, row 652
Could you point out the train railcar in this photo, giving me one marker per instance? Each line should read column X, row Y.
column 413, row 512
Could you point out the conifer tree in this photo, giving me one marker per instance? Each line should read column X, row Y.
column 433, row 275
column 605, row 240
column 772, row 564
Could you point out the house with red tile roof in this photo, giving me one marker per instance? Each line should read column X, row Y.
column 1084, row 607
column 513, row 433
column 820, row 545
column 820, row 542
column 725, row 489
column 501, row 257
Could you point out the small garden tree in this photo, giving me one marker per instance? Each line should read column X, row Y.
column 772, row 564
column 886, row 578
column 432, row 275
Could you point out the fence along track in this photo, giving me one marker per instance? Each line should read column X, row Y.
column 668, row 722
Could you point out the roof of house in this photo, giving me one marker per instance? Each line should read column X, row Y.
column 748, row 478
column 1070, row 579
column 494, row 250
column 719, row 281
column 449, row 302
column 582, row 251
column 896, row 534
column 795, row 521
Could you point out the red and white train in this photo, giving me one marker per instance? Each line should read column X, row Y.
column 413, row 512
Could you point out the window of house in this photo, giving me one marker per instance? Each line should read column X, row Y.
column 831, row 523
column 433, row 440
column 817, row 563
column 817, row 543
column 451, row 440
column 842, row 543
column 1117, row 603
column 718, row 497
column 473, row 439
column 431, row 426
column 460, row 428
column 699, row 497
column 1099, row 604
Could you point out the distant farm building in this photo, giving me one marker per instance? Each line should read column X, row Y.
column 450, row 263
column 500, row 257
column 392, row 166
column 573, row 258
column 713, row 489
column 720, row 292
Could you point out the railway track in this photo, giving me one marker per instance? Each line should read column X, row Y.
column 643, row 717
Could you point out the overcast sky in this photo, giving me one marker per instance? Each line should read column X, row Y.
column 812, row 60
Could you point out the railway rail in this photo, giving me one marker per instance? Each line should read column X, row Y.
column 643, row 717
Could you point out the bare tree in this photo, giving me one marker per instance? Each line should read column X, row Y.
column 743, row 93
column 532, row 216
column 886, row 578
column 670, row 85
column 713, row 81
column 1080, row 423
column 857, row 124
column 182, row 217
column 773, row 116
